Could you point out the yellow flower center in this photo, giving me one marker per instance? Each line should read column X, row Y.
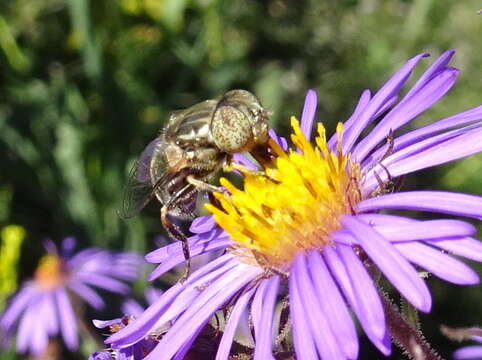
column 49, row 273
column 294, row 204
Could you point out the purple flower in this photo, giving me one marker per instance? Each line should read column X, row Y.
column 309, row 228
column 43, row 307
column 140, row 349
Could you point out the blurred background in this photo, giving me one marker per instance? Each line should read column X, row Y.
column 85, row 85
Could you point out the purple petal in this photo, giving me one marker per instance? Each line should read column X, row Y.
column 40, row 331
column 325, row 341
column 424, row 230
column 181, row 354
column 50, row 246
column 468, row 353
column 431, row 152
column 132, row 307
column 190, row 294
column 397, row 270
column 358, row 288
column 437, row 66
column 68, row 323
column 197, row 315
column 126, row 266
column 202, row 224
column 17, row 304
column 101, row 324
column 362, row 103
column 343, row 237
column 226, row 342
column 175, row 249
column 465, row 118
column 264, row 333
column 152, row 294
column 165, row 252
column 407, row 110
column 243, row 160
column 390, row 89
column 302, row 334
column 280, row 140
column 103, row 282
column 27, row 324
column 436, row 201
column 101, row 355
column 374, row 164
column 49, row 312
column 308, row 114
column 385, row 219
column 88, row 294
column 257, row 306
column 175, row 256
column 441, row 265
column 456, row 148
column 388, row 104
column 85, row 256
column 68, row 246
column 125, row 354
column 333, row 305
column 466, row 247
column 137, row 330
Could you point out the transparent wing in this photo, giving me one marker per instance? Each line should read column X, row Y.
column 140, row 189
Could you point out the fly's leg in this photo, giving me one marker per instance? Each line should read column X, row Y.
column 385, row 187
column 243, row 169
column 213, row 200
column 388, row 151
column 390, row 145
column 174, row 231
column 232, row 166
column 262, row 155
column 202, row 185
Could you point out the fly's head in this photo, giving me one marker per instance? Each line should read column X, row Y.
column 239, row 122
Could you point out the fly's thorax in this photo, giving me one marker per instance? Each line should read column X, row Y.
column 239, row 122
column 191, row 127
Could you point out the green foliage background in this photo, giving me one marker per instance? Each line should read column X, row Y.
column 85, row 84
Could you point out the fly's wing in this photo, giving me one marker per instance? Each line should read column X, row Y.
column 140, row 189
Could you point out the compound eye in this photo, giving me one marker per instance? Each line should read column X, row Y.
column 231, row 130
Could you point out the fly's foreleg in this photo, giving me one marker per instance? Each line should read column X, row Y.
column 262, row 155
column 202, row 185
column 243, row 169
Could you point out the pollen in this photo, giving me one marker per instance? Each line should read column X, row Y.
column 294, row 204
column 49, row 272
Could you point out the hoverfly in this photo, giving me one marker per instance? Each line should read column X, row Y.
column 194, row 144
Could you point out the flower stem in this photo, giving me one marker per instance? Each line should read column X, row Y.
column 409, row 339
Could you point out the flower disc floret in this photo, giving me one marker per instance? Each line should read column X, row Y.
column 49, row 273
column 294, row 204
